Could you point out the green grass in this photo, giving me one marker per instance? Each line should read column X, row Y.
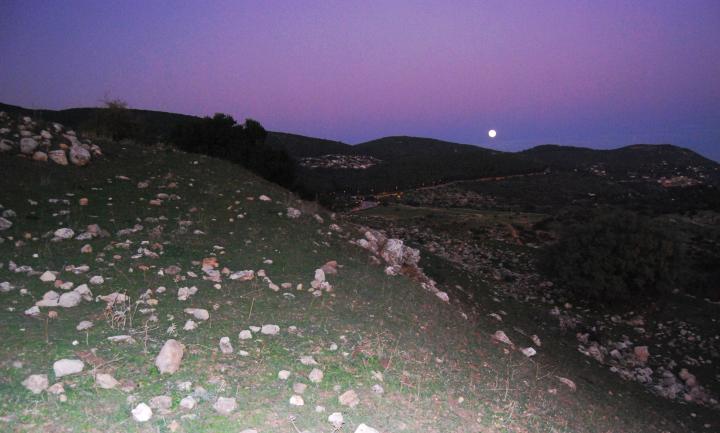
column 430, row 356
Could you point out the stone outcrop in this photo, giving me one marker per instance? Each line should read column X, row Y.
column 53, row 144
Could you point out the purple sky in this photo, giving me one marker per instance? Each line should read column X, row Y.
column 594, row 73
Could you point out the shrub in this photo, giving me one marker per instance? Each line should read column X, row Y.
column 220, row 136
column 612, row 256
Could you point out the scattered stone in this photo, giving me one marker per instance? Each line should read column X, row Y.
column 65, row 367
column 49, row 299
column 113, row 298
column 58, row 157
column 443, row 296
column 56, row 389
column 79, row 155
column 36, row 383
column 570, row 384
column 184, row 386
column 270, row 329
column 308, row 360
column 47, row 277
column 296, row 400
column 198, row 313
column 641, row 354
column 185, row 292
column 283, row 374
column 225, row 405
column 97, row 280
column 84, row 291
column 142, row 413
column 293, row 213
column 245, row 335
column 529, row 352
column 32, row 311
column 378, row 389
column 188, row 403
column 127, row 339
column 501, row 337
column 316, row 375
column 336, row 419
column 5, row 145
column 242, row 275
column 40, row 156
column 106, row 381
column 299, row 387
column 162, row 403
column 349, row 398
column 86, row 249
column 225, row 345
column 168, row 360
column 362, row 428
column 264, row 198
column 330, row 268
column 69, row 299
column 190, row 325
column 5, row 224
column 64, row 233
column 172, row 270
column 28, row 145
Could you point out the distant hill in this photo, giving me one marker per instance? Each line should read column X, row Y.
column 406, row 162
column 149, row 125
column 634, row 161
column 299, row 146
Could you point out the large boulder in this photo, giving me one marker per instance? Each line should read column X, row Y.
column 168, row 360
column 79, row 155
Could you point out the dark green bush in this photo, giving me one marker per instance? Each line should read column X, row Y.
column 612, row 256
column 220, row 136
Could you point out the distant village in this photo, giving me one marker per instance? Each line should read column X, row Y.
column 353, row 162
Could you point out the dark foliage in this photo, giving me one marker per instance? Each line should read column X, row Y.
column 220, row 136
column 613, row 256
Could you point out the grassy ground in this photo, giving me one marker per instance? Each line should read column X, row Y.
column 440, row 371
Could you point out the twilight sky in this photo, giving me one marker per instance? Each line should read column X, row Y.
column 593, row 73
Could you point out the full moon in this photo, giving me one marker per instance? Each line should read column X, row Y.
column 492, row 133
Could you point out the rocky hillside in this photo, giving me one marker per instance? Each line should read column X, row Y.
column 154, row 290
